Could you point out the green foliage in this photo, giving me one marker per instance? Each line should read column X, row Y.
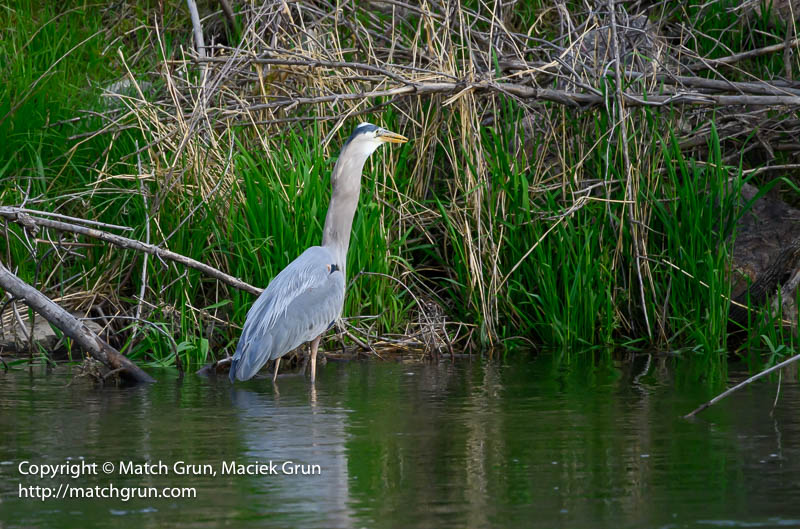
column 519, row 245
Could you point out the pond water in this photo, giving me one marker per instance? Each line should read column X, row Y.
column 470, row 444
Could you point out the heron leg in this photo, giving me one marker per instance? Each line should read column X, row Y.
column 314, row 346
column 275, row 374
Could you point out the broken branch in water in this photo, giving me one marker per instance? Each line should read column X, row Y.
column 16, row 215
column 740, row 385
column 71, row 327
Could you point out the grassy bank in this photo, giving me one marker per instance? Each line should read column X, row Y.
column 505, row 222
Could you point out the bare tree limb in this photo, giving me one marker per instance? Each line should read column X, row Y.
column 525, row 92
column 72, row 327
column 13, row 214
column 740, row 385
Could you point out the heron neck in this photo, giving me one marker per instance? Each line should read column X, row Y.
column 346, row 186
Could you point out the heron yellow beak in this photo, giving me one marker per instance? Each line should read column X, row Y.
column 391, row 137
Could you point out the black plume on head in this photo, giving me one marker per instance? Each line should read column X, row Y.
column 361, row 129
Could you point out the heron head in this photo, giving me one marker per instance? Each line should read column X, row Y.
column 368, row 137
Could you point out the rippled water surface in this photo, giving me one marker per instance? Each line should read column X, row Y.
column 466, row 445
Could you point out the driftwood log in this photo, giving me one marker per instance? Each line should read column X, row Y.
column 72, row 327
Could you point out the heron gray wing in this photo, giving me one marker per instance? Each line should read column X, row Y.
column 297, row 306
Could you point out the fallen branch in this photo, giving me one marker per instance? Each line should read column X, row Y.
column 71, row 327
column 740, row 385
column 18, row 216
column 525, row 92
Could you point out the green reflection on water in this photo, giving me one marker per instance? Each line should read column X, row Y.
column 534, row 444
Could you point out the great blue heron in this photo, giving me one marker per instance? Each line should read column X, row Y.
column 305, row 298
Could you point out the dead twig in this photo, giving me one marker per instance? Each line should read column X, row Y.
column 706, row 64
column 143, row 287
column 73, row 219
